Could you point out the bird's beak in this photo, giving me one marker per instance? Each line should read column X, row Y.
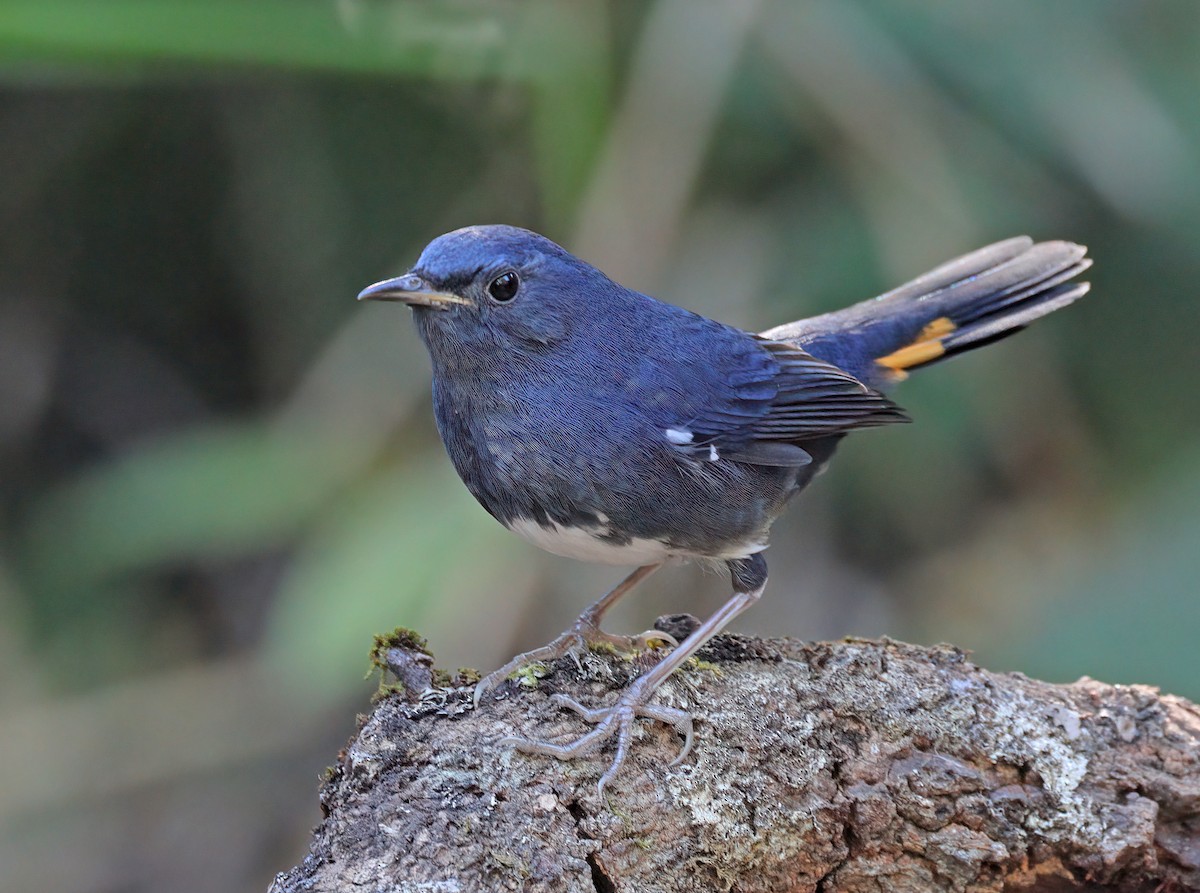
column 412, row 290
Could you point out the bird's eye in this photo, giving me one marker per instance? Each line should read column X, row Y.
column 504, row 287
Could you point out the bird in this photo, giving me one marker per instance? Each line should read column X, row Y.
column 604, row 425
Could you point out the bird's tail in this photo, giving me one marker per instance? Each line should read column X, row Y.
column 979, row 298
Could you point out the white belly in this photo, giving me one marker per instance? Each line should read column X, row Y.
column 587, row 544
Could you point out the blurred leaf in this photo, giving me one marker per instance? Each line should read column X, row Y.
column 448, row 41
column 384, row 556
column 570, row 110
column 224, row 491
column 293, row 34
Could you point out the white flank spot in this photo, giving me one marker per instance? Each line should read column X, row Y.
column 713, row 455
column 679, row 436
column 585, row 544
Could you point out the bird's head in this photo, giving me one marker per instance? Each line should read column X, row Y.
column 494, row 290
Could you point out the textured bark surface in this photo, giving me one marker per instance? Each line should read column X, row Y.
column 850, row 766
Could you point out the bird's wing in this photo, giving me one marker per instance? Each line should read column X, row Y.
column 773, row 397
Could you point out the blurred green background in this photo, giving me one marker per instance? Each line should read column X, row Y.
column 220, row 476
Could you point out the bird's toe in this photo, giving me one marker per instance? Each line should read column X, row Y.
column 617, row 721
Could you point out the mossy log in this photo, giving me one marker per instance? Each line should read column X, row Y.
column 848, row 766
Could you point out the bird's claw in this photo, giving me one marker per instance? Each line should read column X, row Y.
column 616, row 720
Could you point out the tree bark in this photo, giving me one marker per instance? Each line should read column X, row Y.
column 848, row 766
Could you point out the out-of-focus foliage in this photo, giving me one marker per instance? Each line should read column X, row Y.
column 219, row 476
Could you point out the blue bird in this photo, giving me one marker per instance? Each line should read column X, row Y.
column 604, row 425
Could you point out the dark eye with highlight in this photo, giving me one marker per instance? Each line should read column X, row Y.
column 504, row 287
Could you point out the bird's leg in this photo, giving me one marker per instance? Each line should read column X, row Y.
column 584, row 632
column 749, row 580
column 586, row 629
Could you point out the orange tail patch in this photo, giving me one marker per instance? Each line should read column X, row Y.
column 925, row 348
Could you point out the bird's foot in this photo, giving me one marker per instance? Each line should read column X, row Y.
column 585, row 634
column 617, row 721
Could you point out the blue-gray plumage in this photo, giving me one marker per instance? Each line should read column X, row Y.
column 605, row 425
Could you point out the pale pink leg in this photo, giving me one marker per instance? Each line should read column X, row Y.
column 584, row 632
column 619, row 718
